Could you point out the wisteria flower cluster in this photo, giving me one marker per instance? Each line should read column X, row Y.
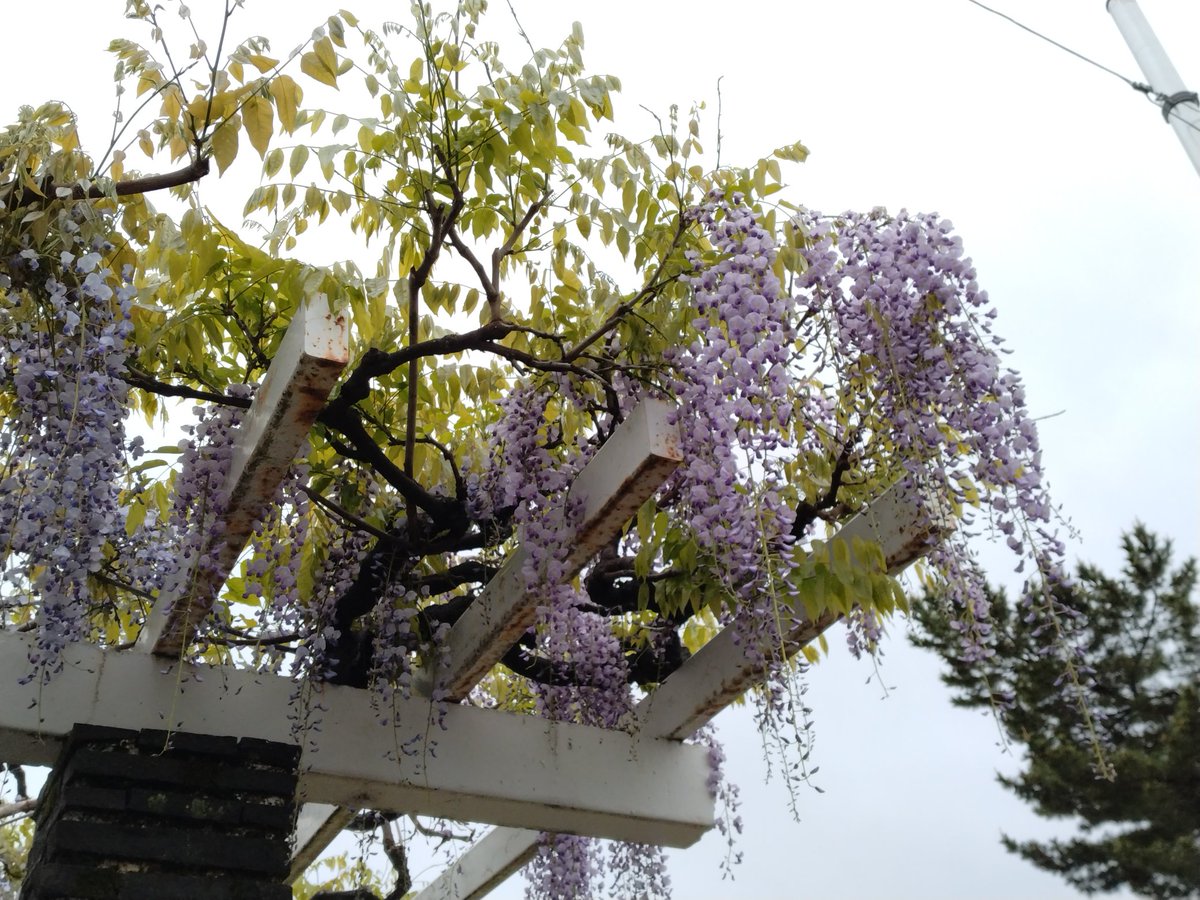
column 272, row 572
column 65, row 445
column 200, row 498
column 528, row 478
column 734, row 394
column 904, row 310
column 584, row 645
column 340, row 566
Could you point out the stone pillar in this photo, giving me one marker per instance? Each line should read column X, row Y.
column 147, row 815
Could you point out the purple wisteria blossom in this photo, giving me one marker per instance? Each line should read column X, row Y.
column 65, row 445
column 904, row 313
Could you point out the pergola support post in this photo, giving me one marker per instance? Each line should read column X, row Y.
column 150, row 813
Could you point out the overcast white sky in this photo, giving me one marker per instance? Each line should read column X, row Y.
column 1079, row 208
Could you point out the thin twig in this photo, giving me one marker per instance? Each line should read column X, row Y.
column 341, row 512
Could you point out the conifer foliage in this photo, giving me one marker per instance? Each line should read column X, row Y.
column 1140, row 830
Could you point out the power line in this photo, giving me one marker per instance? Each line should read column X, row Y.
column 1137, row 86
column 1158, row 99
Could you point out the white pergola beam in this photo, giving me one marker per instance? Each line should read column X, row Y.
column 485, row 866
column 310, row 359
column 899, row 520
column 623, row 474
column 317, row 824
column 454, row 762
column 902, row 522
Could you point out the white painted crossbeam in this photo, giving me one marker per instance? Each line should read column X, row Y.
column 623, row 474
column 898, row 520
column 477, row 765
column 317, row 824
column 310, row 358
column 485, row 866
column 901, row 522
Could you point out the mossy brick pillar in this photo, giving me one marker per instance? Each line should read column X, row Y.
column 147, row 815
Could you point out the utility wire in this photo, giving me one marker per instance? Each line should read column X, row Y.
column 1158, row 99
column 1137, row 86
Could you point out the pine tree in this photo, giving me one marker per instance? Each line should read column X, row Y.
column 1141, row 829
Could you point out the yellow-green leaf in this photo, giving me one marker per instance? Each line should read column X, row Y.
column 264, row 64
column 135, row 518
column 259, row 122
column 225, row 143
column 299, row 158
column 287, row 95
column 320, row 63
column 273, row 163
column 325, row 155
column 793, row 152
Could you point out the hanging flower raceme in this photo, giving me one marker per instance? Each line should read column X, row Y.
column 272, row 573
column 904, row 317
column 65, row 444
column 734, row 396
column 199, row 501
column 576, row 643
column 343, row 559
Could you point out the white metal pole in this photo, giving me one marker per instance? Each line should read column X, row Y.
column 1180, row 108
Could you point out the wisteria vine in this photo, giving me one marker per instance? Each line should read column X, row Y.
column 813, row 361
column 904, row 312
